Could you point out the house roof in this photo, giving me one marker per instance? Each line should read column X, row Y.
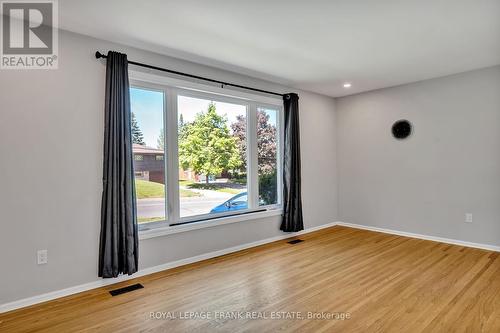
column 140, row 149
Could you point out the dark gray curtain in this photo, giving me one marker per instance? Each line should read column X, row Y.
column 118, row 250
column 292, row 200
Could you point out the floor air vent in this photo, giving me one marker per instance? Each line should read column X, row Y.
column 126, row 289
column 295, row 241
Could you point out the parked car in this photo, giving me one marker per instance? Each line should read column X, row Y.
column 239, row 201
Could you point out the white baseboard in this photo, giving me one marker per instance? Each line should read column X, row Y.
column 420, row 236
column 104, row 282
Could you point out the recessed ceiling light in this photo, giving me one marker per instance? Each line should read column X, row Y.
column 347, row 85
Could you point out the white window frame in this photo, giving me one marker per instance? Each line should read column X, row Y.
column 172, row 88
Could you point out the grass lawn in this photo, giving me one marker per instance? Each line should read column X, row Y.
column 146, row 189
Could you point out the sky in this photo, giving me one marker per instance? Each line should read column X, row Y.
column 147, row 105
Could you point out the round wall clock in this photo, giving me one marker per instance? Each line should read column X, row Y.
column 401, row 129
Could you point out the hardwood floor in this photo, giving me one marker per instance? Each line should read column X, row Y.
column 384, row 283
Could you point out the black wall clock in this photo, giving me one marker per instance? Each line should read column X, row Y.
column 401, row 129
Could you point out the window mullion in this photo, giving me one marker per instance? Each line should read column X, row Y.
column 280, row 119
column 252, row 163
column 173, row 160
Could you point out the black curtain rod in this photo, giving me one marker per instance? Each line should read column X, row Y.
column 100, row 55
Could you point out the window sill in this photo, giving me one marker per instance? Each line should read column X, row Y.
column 169, row 230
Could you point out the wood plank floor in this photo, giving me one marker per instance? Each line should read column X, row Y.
column 384, row 283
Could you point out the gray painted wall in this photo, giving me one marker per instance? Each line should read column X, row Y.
column 450, row 166
column 51, row 137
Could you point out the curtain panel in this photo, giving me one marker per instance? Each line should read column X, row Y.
column 119, row 238
column 292, row 200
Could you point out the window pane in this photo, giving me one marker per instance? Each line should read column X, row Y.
column 267, row 148
column 212, row 156
column 148, row 149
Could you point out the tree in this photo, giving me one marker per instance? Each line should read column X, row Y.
column 181, row 120
column 160, row 142
column 266, row 141
column 268, row 188
column 206, row 146
column 239, row 128
column 137, row 136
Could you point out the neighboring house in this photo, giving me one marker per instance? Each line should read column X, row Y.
column 149, row 163
column 188, row 175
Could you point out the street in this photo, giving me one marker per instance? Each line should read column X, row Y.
column 189, row 206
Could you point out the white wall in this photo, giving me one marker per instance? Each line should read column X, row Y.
column 51, row 137
column 450, row 166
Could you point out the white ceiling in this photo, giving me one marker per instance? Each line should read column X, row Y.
column 312, row 45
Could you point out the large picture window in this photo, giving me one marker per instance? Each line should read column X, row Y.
column 199, row 155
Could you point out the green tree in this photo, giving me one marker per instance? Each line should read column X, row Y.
column 137, row 136
column 160, row 142
column 181, row 120
column 206, row 145
column 268, row 188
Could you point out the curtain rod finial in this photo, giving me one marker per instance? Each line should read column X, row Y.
column 98, row 55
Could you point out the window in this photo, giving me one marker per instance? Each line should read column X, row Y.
column 267, row 152
column 147, row 108
column 220, row 159
column 212, row 155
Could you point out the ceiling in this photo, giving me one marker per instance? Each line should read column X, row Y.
column 311, row 45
